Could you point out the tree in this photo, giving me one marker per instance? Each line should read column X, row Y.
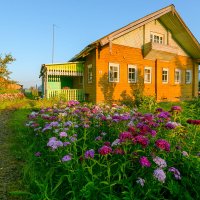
column 4, row 72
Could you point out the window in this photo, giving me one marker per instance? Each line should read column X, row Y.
column 147, row 75
column 132, row 74
column 165, row 75
column 113, row 72
column 188, row 76
column 156, row 38
column 177, row 76
column 90, row 73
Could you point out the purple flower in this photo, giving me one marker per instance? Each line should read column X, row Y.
column 66, row 144
column 176, row 173
column 89, row 154
column 38, row 154
column 66, row 158
column 54, row 124
column 140, row 181
column 160, row 175
column 163, row 144
column 68, row 123
column 170, row 125
column 104, row 150
column 160, row 162
column 54, row 143
column 145, row 162
column 63, row 134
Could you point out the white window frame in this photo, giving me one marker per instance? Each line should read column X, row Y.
column 90, row 74
column 134, row 80
column 167, row 80
column 111, row 72
column 177, row 81
column 156, row 38
column 190, row 76
column 147, row 68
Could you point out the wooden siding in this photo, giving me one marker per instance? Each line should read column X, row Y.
column 90, row 88
column 137, row 38
column 123, row 56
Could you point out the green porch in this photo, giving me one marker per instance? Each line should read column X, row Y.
column 63, row 80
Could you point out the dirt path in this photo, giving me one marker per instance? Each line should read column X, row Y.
column 9, row 165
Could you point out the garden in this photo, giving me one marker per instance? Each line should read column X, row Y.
column 75, row 150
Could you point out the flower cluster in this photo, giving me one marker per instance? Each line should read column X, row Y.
column 91, row 132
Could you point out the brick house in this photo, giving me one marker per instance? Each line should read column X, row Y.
column 156, row 55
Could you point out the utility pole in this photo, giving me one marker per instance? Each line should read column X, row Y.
column 53, row 45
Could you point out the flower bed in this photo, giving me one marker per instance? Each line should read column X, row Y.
column 102, row 152
column 11, row 96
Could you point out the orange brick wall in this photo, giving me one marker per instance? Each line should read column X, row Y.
column 124, row 55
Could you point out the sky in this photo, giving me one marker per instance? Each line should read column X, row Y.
column 27, row 28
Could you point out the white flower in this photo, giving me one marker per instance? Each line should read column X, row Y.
column 140, row 181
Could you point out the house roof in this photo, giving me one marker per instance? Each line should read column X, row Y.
column 169, row 18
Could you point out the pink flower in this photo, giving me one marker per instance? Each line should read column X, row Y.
column 145, row 162
column 104, row 150
column 163, row 144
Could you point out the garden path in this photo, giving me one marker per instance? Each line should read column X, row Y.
column 9, row 165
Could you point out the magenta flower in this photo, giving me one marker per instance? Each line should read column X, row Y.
column 145, row 162
column 176, row 108
column 163, row 144
column 89, row 154
column 141, row 140
column 125, row 136
column 66, row 158
column 104, row 150
column 118, row 151
column 193, row 121
column 176, row 173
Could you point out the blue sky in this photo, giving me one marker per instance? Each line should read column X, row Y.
column 27, row 28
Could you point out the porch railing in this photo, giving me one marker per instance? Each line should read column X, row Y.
column 68, row 94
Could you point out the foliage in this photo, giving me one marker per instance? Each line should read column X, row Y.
column 8, row 59
column 101, row 152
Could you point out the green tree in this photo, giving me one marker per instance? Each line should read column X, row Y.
column 4, row 62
